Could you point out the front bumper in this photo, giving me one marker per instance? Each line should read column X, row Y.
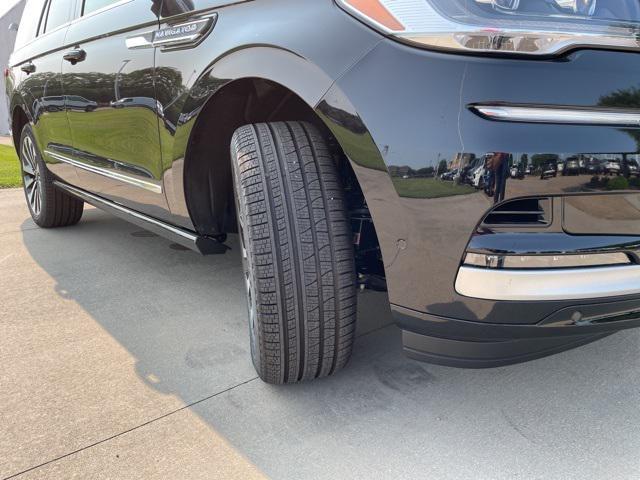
column 402, row 114
column 460, row 343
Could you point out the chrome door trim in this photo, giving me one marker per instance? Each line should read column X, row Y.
column 136, row 182
column 548, row 284
column 558, row 115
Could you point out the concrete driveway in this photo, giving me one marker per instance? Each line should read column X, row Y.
column 123, row 356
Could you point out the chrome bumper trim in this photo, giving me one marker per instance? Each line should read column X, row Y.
column 548, row 284
column 560, row 115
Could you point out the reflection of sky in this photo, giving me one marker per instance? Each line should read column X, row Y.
column 7, row 5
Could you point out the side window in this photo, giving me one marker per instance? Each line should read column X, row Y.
column 93, row 5
column 29, row 23
column 58, row 13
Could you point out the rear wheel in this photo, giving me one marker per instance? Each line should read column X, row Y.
column 49, row 207
column 297, row 251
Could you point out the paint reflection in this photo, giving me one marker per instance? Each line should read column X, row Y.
column 502, row 175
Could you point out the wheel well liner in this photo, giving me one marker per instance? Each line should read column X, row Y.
column 207, row 173
column 18, row 120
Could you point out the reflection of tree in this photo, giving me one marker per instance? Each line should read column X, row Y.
column 100, row 87
column 624, row 98
column 442, row 167
column 408, row 172
column 524, row 161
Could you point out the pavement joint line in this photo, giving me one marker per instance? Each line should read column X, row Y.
column 104, row 440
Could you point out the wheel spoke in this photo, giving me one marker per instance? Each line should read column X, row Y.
column 27, row 168
column 31, row 177
column 37, row 207
column 32, row 194
column 32, row 148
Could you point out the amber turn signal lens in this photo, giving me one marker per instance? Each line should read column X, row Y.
column 374, row 10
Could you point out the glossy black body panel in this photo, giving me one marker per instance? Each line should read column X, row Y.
column 432, row 171
column 425, row 228
column 111, row 106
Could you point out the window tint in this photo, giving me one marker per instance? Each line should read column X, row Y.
column 29, row 23
column 58, row 13
column 93, row 5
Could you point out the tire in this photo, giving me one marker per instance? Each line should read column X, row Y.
column 297, row 252
column 48, row 206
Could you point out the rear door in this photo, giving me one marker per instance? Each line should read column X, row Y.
column 38, row 56
column 111, row 103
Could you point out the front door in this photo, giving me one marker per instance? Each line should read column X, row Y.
column 111, row 103
column 39, row 56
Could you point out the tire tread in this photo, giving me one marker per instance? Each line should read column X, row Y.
column 300, row 245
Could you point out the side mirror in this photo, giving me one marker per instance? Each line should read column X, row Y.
column 13, row 27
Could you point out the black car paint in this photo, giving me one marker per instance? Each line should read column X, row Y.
column 387, row 104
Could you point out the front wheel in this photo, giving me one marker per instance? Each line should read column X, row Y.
column 297, row 251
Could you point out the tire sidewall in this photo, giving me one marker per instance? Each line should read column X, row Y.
column 248, row 269
column 28, row 132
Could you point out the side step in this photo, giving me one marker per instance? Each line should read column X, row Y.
column 186, row 238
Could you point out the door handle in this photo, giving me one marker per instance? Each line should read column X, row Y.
column 74, row 56
column 28, row 68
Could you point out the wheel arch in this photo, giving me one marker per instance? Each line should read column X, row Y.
column 19, row 119
column 250, row 85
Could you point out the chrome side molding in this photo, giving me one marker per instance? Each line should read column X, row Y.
column 186, row 238
column 548, row 284
column 557, row 114
column 114, row 175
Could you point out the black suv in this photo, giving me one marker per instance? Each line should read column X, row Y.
column 320, row 131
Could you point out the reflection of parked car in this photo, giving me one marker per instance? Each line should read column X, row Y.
column 144, row 102
column 468, row 172
column 593, row 166
column 517, row 172
column 612, row 167
column 571, row 166
column 478, row 177
column 549, row 169
column 48, row 104
column 450, row 175
column 59, row 102
column 631, row 168
column 76, row 102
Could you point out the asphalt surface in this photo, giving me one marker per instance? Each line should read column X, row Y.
column 122, row 356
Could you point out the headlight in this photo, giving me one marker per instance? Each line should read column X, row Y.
column 525, row 27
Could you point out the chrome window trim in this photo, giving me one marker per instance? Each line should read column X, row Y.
column 98, row 11
column 136, row 182
column 557, row 115
column 548, row 284
column 44, row 17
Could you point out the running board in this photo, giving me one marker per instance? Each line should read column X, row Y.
column 186, row 238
